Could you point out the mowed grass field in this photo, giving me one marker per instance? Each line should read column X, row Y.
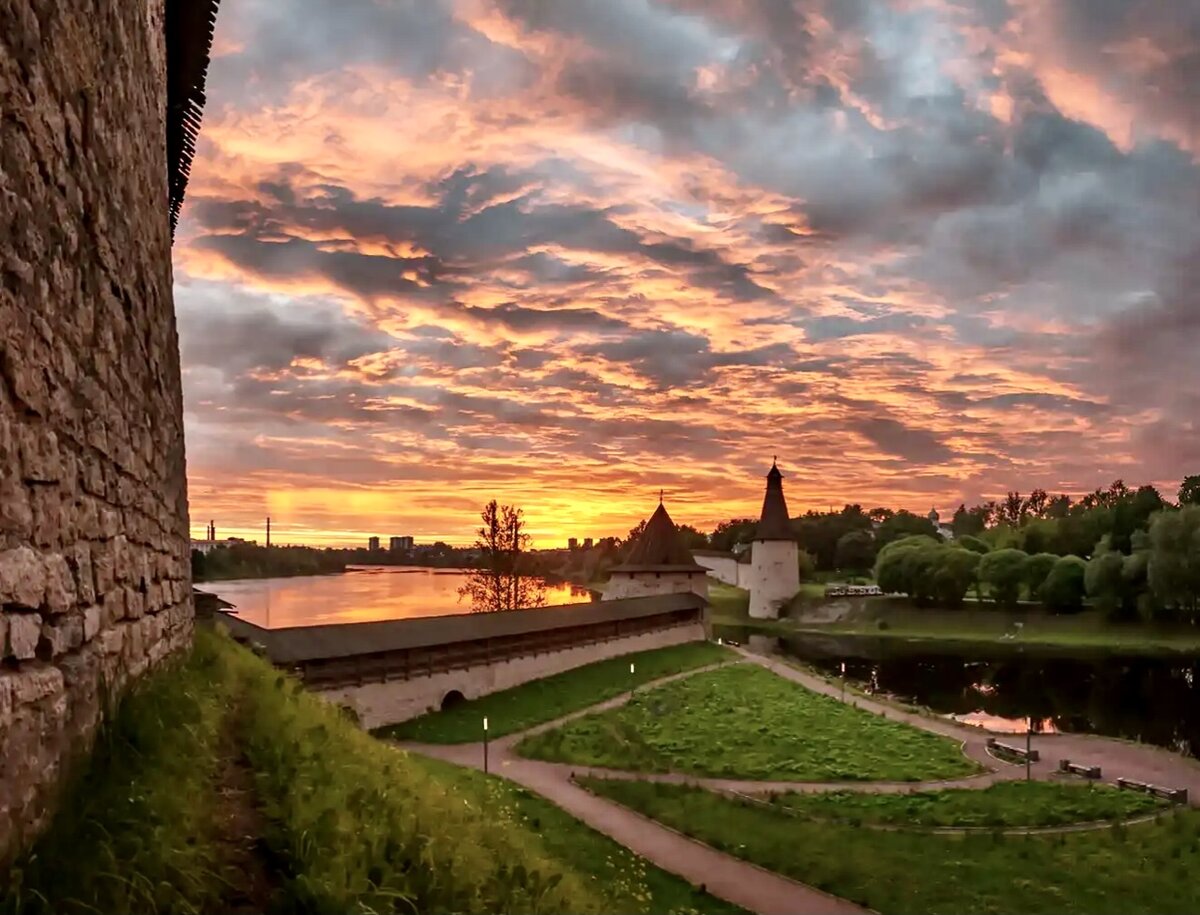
column 1003, row 805
column 1146, row 869
column 743, row 721
column 539, row 701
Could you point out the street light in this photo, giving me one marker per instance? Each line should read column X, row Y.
column 485, row 745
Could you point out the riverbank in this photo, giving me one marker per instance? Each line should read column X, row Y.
column 897, row 619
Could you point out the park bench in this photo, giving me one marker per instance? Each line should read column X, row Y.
column 1069, row 768
column 1018, row 753
column 1174, row 795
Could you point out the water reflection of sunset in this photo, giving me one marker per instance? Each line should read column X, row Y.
column 359, row 596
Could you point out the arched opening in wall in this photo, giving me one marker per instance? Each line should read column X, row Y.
column 452, row 699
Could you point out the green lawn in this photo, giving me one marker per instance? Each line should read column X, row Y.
column 728, row 599
column 1148, row 868
column 743, row 721
column 329, row 821
column 1007, row 804
column 896, row 618
column 631, row 883
column 538, row 701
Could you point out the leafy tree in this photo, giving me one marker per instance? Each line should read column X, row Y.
column 974, row 544
column 966, row 523
column 904, row 524
column 1189, row 490
column 892, row 574
column 880, row 514
column 1103, row 580
column 1037, row 567
column 855, row 551
column 1058, row 507
column 821, row 531
column 692, row 538
column 955, row 572
column 1063, row 589
column 1003, row 571
column 806, row 563
column 1035, row 505
column 500, row 582
column 1174, row 562
column 1012, row 510
column 730, row 533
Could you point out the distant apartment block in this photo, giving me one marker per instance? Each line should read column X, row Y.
column 572, row 543
column 373, row 544
column 400, row 543
column 587, row 543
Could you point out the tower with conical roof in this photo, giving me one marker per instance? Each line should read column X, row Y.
column 658, row 563
column 775, row 555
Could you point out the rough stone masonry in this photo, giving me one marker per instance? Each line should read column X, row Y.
column 94, row 564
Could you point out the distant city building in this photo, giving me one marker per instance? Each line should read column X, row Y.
column 373, row 544
column 587, row 543
column 400, row 543
column 572, row 543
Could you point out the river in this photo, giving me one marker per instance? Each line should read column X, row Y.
column 1154, row 699
column 359, row 595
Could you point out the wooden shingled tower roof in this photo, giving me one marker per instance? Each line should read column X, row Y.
column 189, row 28
column 659, row 548
column 774, row 524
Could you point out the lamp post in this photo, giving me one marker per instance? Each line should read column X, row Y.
column 843, row 681
column 632, row 682
column 485, row 746
column 1028, row 746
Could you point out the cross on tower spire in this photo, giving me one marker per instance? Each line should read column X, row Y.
column 660, row 497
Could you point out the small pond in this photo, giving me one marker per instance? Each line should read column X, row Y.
column 1137, row 697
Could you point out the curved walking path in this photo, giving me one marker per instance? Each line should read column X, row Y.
column 746, row 884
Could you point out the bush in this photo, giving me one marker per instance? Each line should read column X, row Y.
column 974, row 544
column 1063, row 589
column 1036, row 568
column 1003, row 571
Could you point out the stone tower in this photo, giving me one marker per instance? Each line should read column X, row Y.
column 659, row 563
column 775, row 556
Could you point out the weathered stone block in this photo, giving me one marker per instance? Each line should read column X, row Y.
column 41, row 461
column 16, row 514
column 22, row 578
column 60, row 636
column 24, row 631
column 85, row 577
column 93, row 618
column 60, row 585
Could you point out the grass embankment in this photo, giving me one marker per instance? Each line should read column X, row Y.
column 896, row 618
column 743, row 721
column 727, row 599
column 1147, row 868
column 349, row 824
column 1003, row 805
column 539, row 701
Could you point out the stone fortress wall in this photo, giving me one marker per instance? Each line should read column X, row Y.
column 94, row 564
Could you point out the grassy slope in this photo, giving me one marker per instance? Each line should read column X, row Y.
column 745, row 722
column 1148, row 868
column 352, row 824
column 538, row 701
column 1007, row 804
column 984, row 625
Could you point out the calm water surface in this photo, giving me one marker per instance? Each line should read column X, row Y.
column 359, row 596
column 1136, row 697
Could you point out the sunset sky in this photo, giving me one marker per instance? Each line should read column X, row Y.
column 565, row 253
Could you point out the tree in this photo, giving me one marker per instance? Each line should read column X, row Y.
column 855, row 551
column 692, row 538
column 1174, row 562
column 1103, row 579
column 498, row 584
column 955, row 572
column 1058, row 507
column 729, row 534
column 967, row 523
column 1063, row 589
column 1037, row 567
column 892, row 570
column 904, row 524
column 1189, row 490
column 1003, row 571
column 1035, row 505
column 879, row 515
column 974, row 544
column 1012, row 510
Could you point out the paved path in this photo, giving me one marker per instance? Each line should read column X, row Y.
column 746, row 884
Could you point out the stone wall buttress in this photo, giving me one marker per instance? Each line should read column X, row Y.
column 94, row 564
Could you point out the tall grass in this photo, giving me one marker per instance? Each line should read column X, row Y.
column 361, row 827
column 134, row 832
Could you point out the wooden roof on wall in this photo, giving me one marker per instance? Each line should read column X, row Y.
column 189, row 28
column 341, row 640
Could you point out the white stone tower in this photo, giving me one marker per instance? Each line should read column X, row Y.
column 659, row 563
column 775, row 555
